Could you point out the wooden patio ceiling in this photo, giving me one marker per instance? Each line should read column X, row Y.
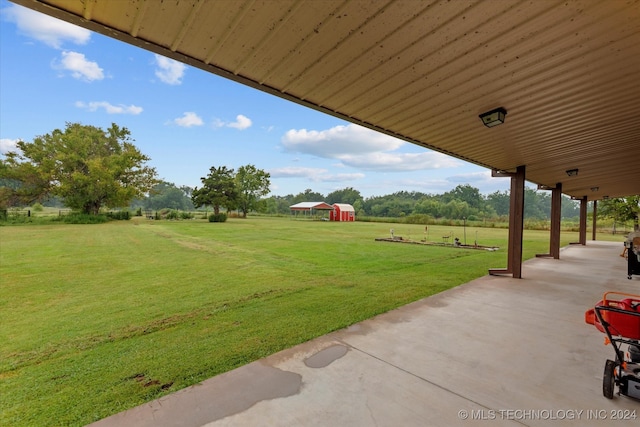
column 567, row 72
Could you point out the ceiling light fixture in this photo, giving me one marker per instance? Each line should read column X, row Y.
column 594, row 189
column 494, row 117
column 545, row 187
column 572, row 172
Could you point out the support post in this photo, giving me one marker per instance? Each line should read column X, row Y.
column 516, row 224
column 594, row 221
column 556, row 217
column 583, row 221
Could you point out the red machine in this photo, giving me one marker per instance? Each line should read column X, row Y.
column 618, row 316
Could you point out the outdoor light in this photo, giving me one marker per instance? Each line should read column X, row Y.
column 605, row 197
column 594, row 189
column 545, row 187
column 493, row 117
column 572, row 172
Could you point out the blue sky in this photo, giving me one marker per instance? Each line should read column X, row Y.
column 187, row 120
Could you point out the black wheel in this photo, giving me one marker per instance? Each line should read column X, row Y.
column 629, row 277
column 609, row 379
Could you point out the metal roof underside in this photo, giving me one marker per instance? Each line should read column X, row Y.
column 567, row 72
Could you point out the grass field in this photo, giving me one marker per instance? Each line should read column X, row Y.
column 95, row 319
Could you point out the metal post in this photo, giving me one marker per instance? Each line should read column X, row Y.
column 464, row 227
column 583, row 221
column 516, row 223
column 594, row 222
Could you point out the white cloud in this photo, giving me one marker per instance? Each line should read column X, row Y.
column 340, row 177
column 241, row 123
column 472, row 177
column 296, row 172
column 189, row 119
column 80, row 67
column 363, row 148
column 51, row 31
column 338, row 141
column 109, row 108
column 169, row 71
column 400, row 162
column 7, row 145
column 313, row 174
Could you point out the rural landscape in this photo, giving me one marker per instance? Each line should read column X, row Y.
column 99, row 318
column 114, row 294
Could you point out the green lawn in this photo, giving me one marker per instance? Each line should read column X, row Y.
column 95, row 319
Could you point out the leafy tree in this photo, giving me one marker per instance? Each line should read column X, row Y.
column 500, row 201
column 570, row 208
column 167, row 195
column 278, row 204
column 429, row 206
column 218, row 190
column 358, row 206
column 307, row 196
column 347, row 195
column 621, row 209
column 252, row 183
column 465, row 193
column 537, row 204
column 84, row 165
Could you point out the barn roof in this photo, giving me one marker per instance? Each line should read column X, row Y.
column 344, row 207
column 307, row 206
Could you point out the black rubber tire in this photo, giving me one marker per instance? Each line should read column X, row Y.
column 609, row 379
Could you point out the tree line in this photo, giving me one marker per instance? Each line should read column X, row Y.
column 87, row 169
column 464, row 201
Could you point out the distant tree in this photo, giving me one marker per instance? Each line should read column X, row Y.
column 500, row 202
column 167, row 195
column 456, row 209
column 537, row 204
column 84, row 165
column 358, row 206
column 347, row 195
column 252, row 183
column 465, row 193
column 188, row 191
column 570, row 208
column 278, row 204
column 621, row 209
column 393, row 205
column 429, row 206
column 307, row 196
column 218, row 190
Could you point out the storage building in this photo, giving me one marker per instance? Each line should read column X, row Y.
column 342, row 212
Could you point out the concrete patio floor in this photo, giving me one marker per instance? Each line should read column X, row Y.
column 495, row 351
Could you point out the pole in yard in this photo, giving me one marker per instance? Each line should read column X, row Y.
column 464, row 219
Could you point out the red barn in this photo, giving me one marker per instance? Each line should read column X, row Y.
column 313, row 209
column 342, row 212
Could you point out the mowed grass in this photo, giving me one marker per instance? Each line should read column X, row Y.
column 95, row 319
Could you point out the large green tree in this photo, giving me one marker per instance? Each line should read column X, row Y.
column 465, row 193
column 621, row 209
column 252, row 184
column 218, row 190
column 347, row 195
column 84, row 165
